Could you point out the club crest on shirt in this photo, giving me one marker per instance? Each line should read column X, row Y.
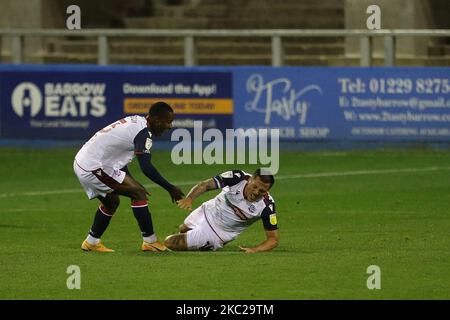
column 148, row 145
column 252, row 208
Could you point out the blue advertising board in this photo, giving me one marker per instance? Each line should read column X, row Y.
column 55, row 104
column 74, row 102
column 382, row 104
column 305, row 103
column 194, row 96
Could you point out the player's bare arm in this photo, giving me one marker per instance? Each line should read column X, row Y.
column 195, row 192
column 267, row 245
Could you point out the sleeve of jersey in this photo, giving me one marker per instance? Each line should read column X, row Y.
column 142, row 152
column 142, row 142
column 269, row 218
column 229, row 178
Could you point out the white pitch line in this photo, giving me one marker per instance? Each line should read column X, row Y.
column 362, row 172
column 294, row 176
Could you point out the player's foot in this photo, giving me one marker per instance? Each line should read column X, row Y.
column 100, row 247
column 154, row 246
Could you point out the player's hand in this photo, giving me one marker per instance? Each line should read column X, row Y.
column 185, row 203
column 247, row 250
column 176, row 194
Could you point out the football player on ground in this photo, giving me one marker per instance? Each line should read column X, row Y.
column 244, row 199
column 101, row 167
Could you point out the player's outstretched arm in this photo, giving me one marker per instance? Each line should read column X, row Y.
column 195, row 192
column 270, row 243
column 150, row 171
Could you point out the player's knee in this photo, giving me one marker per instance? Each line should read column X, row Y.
column 114, row 204
column 139, row 193
column 109, row 204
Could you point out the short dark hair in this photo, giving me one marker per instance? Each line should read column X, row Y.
column 266, row 178
column 159, row 109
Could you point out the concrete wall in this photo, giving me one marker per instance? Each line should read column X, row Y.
column 37, row 14
column 21, row 14
column 395, row 14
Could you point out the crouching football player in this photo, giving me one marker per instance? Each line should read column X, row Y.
column 244, row 199
column 101, row 167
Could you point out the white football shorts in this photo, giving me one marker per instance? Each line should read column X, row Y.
column 202, row 236
column 98, row 182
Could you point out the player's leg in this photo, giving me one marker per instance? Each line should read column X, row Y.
column 176, row 242
column 197, row 239
column 195, row 234
column 192, row 220
column 108, row 206
column 109, row 202
column 139, row 204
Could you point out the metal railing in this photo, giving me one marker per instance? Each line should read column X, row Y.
column 277, row 35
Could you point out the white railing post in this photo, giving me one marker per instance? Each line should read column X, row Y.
column 103, row 51
column 366, row 51
column 189, row 51
column 277, row 52
column 17, row 48
column 389, row 51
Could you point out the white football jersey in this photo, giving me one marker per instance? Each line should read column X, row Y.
column 229, row 213
column 115, row 145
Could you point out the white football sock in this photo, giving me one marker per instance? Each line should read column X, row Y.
column 91, row 240
column 150, row 239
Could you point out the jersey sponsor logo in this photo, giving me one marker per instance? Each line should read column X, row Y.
column 252, row 208
column 273, row 219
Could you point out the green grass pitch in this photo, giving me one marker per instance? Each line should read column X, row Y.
column 338, row 213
